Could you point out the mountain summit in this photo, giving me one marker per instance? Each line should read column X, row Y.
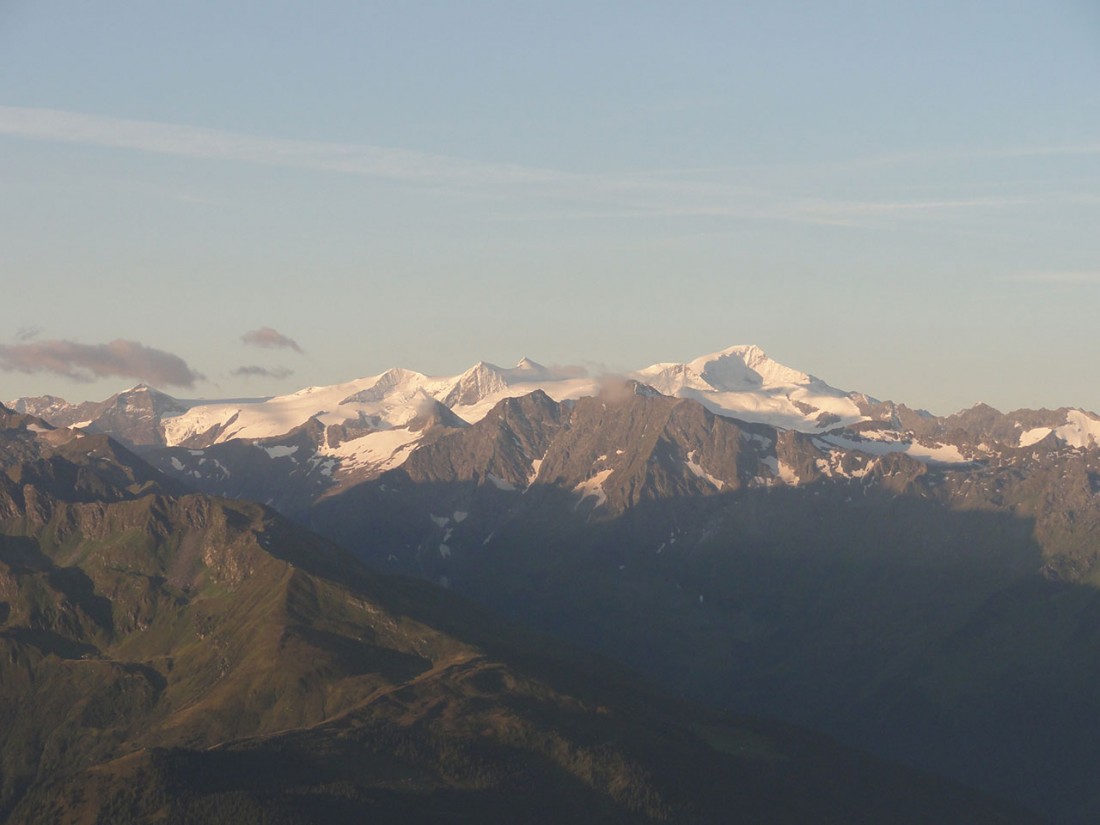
column 333, row 436
column 737, row 368
column 742, row 381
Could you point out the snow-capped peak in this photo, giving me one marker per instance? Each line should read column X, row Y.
column 396, row 381
column 527, row 365
column 734, row 369
column 147, row 397
column 744, row 367
column 478, row 382
column 744, row 382
column 1080, row 429
column 739, row 381
column 144, row 390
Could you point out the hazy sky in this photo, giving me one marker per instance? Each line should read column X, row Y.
column 243, row 198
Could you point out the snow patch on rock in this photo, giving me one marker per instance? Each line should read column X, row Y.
column 593, row 487
column 279, row 451
column 697, row 470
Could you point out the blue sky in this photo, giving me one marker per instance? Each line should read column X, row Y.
column 899, row 198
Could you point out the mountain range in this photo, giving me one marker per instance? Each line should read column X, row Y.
column 174, row 657
column 342, row 434
column 740, row 532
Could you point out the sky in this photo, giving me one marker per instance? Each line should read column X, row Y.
column 246, row 198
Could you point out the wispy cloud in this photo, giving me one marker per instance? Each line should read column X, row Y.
column 269, row 338
column 256, row 371
column 27, row 333
column 987, row 153
column 631, row 194
column 1060, row 276
column 196, row 142
column 87, row 362
column 528, row 370
column 872, row 161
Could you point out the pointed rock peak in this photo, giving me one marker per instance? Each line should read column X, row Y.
column 483, row 373
column 141, row 397
column 479, row 381
column 528, row 371
column 525, row 364
column 536, row 405
column 395, row 374
column 483, row 368
column 979, row 412
column 431, row 413
column 129, row 391
column 143, row 389
column 616, row 389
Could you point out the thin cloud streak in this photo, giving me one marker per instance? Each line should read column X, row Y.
column 256, row 371
column 890, row 159
column 1004, row 153
column 1059, row 277
column 196, row 142
column 87, row 362
column 644, row 194
column 806, row 211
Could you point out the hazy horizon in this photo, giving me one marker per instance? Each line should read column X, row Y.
column 900, row 201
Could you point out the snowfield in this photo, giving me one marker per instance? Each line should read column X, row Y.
column 384, row 413
column 741, row 382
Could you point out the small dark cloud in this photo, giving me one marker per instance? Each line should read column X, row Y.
column 87, row 362
column 27, row 333
column 269, row 338
column 255, row 371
